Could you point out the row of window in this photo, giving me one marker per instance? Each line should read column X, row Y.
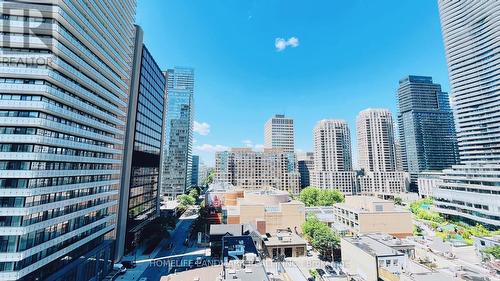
column 7, row 147
column 54, row 181
column 50, row 117
column 50, row 134
column 43, row 165
column 53, row 102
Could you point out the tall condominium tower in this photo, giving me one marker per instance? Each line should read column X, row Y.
column 279, row 132
column 271, row 168
column 176, row 177
column 63, row 109
column 139, row 200
column 426, row 128
column 470, row 191
column 377, row 154
column 306, row 165
column 332, row 156
column 376, row 150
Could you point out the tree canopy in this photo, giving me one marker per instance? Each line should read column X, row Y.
column 186, row 200
column 313, row 196
column 321, row 237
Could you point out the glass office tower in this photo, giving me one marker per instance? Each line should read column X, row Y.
column 139, row 204
column 177, row 152
column 195, row 170
column 64, row 84
column 471, row 191
column 426, row 127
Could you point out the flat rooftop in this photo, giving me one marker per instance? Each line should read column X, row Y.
column 221, row 229
column 287, row 238
column 372, row 246
column 251, row 272
column 390, row 241
column 209, row 273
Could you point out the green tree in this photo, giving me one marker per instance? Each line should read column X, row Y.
column 321, row 237
column 325, row 240
column 493, row 250
column 398, row 201
column 311, row 224
column 328, row 197
column 194, row 193
column 313, row 196
column 209, row 178
column 309, row 196
column 186, row 200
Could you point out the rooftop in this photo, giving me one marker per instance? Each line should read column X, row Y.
column 248, row 272
column 372, row 246
column 283, row 238
column 390, row 241
column 210, row 273
column 221, row 229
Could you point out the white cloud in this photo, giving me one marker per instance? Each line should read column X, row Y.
column 250, row 144
column 282, row 43
column 210, row 148
column 201, row 128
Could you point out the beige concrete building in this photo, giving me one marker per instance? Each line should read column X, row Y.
column 375, row 133
column 279, row 132
column 254, row 170
column 367, row 259
column 367, row 214
column 332, row 157
column 377, row 257
column 383, row 183
column 285, row 243
column 267, row 210
column 377, row 157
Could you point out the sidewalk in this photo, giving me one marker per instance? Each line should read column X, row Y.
column 136, row 272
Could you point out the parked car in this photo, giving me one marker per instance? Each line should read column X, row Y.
column 329, row 268
column 322, row 273
column 128, row 263
column 120, row 268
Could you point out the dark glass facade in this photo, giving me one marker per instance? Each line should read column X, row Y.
column 195, row 170
column 146, row 153
column 426, row 127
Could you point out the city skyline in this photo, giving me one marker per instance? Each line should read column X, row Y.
column 290, row 76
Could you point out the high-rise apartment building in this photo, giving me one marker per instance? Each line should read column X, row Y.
column 426, row 128
column 306, row 165
column 279, row 132
column 248, row 169
column 377, row 155
column 176, row 177
column 195, row 170
column 376, row 150
column 470, row 191
column 332, row 156
column 139, row 196
column 63, row 110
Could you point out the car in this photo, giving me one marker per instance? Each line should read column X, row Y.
column 323, row 274
column 329, row 268
column 128, row 263
column 120, row 268
column 320, row 271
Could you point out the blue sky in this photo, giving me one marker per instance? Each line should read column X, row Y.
column 339, row 58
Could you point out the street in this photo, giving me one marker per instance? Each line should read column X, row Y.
column 155, row 266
